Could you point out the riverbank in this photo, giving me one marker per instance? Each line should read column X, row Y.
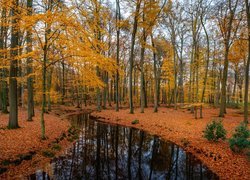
column 22, row 151
column 182, row 128
column 178, row 126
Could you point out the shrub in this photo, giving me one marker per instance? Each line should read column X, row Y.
column 56, row 147
column 48, row 153
column 136, row 121
column 234, row 105
column 215, row 131
column 240, row 139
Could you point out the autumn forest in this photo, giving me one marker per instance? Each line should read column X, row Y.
column 175, row 70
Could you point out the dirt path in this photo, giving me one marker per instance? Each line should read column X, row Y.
column 183, row 129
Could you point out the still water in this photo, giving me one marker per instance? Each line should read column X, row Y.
column 105, row 151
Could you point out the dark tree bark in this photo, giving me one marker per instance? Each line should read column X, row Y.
column 142, row 85
column 3, row 72
column 13, row 117
column 155, row 78
column 29, row 66
column 207, row 61
column 247, row 64
column 118, row 19
column 131, row 58
column 226, row 38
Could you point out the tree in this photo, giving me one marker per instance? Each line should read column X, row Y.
column 228, row 31
column 247, row 64
column 131, row 57
column 13, row 117
column 202, row 14
column 118, row 19
column 3, row 57
column 29, row 65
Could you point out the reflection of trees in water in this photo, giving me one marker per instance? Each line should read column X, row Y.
column 113, row 152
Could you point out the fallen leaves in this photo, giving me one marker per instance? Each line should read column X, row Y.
column 181, row 127
column 26, row 139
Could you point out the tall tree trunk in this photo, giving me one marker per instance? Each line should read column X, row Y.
column 3, row 44
column 155, row 78
column 131, row 58
column 227, row 43
column 235, row 84
column 98, row 94
column 13, row 117
column 181, row 88
column 118, row 19
column 63, row 82
column 43, row 91
column 207, row 61
column 247, row 65
column 105, row 90
column 175, row 80
column 49, row 81
column 29, row 66
column 224, row 83
column 142, row 88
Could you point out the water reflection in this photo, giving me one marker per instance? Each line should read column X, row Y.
column 105, row 151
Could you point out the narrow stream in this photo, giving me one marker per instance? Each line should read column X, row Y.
column 105, row 151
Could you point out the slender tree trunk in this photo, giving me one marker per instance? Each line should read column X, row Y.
column 105, row 90
column 13, row 117
column 49, row 81
column 131, row 58
column 43, row 91
column 142, row 88
column 155, row 78
column 224, row 83
column 175, row 81
column 3, row 82
column 29, row 66
column 44, row 76
column 145, row 92
column 181, row 88
column 227, row 43
column 63, row 82
column 98, row 94
column 235, row 84
column 190, row 88
column 118, row 19
column 207, row 61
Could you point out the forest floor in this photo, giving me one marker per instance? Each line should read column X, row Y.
column 22, row 151
column 180, row 127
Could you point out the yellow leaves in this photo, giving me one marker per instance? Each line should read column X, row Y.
column 78, row 38
column 123, row 24
column 238, row 51
column 151, row 10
